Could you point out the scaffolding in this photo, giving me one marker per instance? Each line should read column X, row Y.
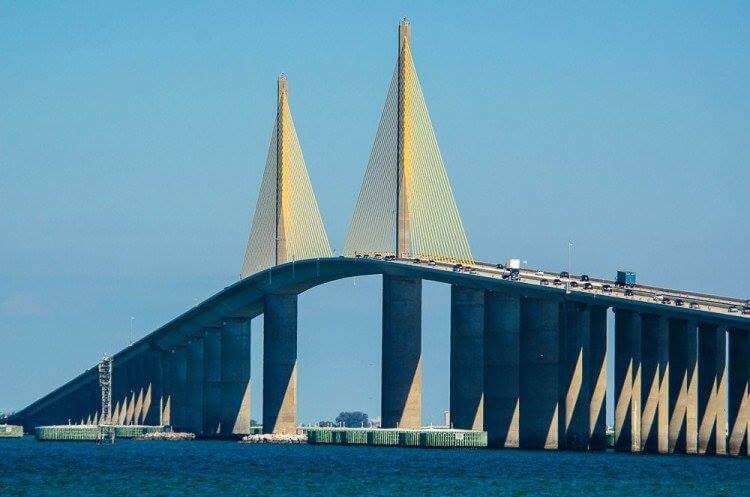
column 105, row 382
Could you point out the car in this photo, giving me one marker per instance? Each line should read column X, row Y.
column 629, row 292
column 584, row 277
column 471, row 270
column 679, row 302
column 540, row 273
column 432, row 262
column 544, row 282
column 366, row 256
column 666, row 300
column 746, row 310
column 500, row 266
column 377, row 256
column 564, row 274
column 659, row 297
column 557, row 282
column 390, row 257
column 456, row 267
column 732, row 309
column 357, row 255
column 606, row 288
column 573, row 284
column 588, row 286
column 416, row 260
column 694, row 305
column 515, row 274
column 506, row 276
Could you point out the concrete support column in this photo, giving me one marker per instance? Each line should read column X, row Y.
column 627, row 381
column 538, row 379
column 467, row 358
column 683, row 386
column 739, row 392
column 401, row 394
column 712, row 389
column 176, row 387
column 195, row 373
column 575, row 377
column 235, row 377
column 655, row 384
column 154, row 390
column 212, row 382
column 598, row 378
column 502, row 331
column 280, row 364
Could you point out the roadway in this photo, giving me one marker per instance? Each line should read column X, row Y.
column 638, row 293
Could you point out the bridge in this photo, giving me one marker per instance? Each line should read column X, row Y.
column 528, row 351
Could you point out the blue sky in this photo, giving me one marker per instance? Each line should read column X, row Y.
column 133, row 137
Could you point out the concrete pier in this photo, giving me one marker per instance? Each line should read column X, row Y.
column 502, row 330
column 401, row 382
column 280, row 364
column 683, row 386
column 155, row 388
column 175, row 383
column 212, row 382
column 467, row 358
column 575, row 377
column 598, row 378
column 195, row 379
column 739, row 392
column 627, row 381
column 655, row 384
column 235, row 377
column 712, row 390
column 539, row 370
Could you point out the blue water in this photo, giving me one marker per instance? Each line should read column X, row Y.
column 198, row 468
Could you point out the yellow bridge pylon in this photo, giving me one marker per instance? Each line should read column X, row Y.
column 286, row 225
column 406, row 205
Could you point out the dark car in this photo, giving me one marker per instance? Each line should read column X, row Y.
column 557, row 282
column 584, row 277
column 390, row 258
column 666, row 300
column 573, row 284
column 544, row 282
column 416, row 260
column 746, row 310
column 629, row 292
column 732, row 309
column 457, row 267
column 564, row 274
column 588, row 286
column 377, row 256
column 500, row 266
column 679, row 302
column 694, row 305
column 515, row 274
column 606, row 288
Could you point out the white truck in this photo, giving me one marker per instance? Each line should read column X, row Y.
column 513, row 264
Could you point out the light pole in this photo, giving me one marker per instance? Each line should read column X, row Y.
column 570, row 266
column 131, row 329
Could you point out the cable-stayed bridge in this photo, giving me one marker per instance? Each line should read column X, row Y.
column 528, row 348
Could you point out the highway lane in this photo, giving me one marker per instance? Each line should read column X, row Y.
column 641, row 293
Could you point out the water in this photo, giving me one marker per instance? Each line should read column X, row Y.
column 199, row 468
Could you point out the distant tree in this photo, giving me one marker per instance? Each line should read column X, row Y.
column 253, row 422
column 352, row 419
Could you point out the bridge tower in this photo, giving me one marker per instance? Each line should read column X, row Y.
column 406, row 208
column 286, row 227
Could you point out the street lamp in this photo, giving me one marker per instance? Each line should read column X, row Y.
column 570, row 266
